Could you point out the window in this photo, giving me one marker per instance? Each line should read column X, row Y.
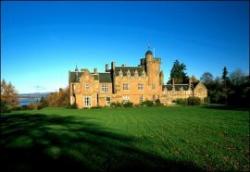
column 108, row 101
column 86, row 86
column 125, row 86
column 105, row 88
column 140, row 86
column 141, row 98
column 125, row 98
column 87, row 101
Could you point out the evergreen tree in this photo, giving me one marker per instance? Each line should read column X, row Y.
column 178, row 72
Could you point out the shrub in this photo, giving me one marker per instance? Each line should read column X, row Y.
column 115, row 104
column 194, row 101
column 32, row 106
column 73, row 106
column 206, row 100
column 158, row 102
column 181, row 101
column 5, row 107
column 18, row 108
column 127, row 104
column 147, row 103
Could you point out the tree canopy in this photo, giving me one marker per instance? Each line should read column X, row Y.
column 178, row 72
column 9, row 94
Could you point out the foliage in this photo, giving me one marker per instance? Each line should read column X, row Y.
column 158, row 102
column 115, row 104
column 43, row 103
column 207, row 78
column 9, row 94
column 193, row 101
column 73, row 106
column 232, row 90
column 5, row 107
column 178, row 73
column 32, row 106
column 59, row 99
column 117, row 139
column 181, row 101
column 147, row 103
column 127, row 104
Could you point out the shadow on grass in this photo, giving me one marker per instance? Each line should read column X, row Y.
column 40, row 142
column 225, row 107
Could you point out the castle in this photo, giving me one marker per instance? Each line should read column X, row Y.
column 123, row 84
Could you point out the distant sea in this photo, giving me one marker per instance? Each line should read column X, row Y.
column 26, row 101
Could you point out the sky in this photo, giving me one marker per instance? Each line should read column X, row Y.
column 42, row 41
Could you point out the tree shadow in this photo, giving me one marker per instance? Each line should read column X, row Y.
column 39, row 142
column 227, row 107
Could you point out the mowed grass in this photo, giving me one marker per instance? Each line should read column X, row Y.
column 123, row 139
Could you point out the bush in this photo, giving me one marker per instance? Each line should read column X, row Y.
column 18, row 108
column 73, row 106
column 147, row 103
column 127, row 104
column 206, row 100
column 181, row 101
column 194, row 101
column 32, row 106
column 5, row 107
column 115, row 104
column 158, row 103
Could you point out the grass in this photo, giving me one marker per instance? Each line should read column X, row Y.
column 125, row 139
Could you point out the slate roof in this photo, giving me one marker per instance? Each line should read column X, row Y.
column 177, row 86
column 73, row 77
column 131, row 69
column 104, row 77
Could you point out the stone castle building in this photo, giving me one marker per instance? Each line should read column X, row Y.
column 123, row 83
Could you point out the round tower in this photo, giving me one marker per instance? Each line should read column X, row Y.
column 149, row 55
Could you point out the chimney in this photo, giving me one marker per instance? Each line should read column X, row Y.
column 189, row 83
column 173, row 84
column 106, row 67
column 113, row 65
column 95, row 70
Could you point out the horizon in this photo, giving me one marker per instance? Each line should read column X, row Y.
column 43, row 41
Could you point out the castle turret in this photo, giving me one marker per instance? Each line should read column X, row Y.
column 152, row 69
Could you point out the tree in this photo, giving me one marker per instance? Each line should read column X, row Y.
column 60, row 98
column 207, row 78
column 194, row 79
column 237, row 77
column 177, row 72
column 9, row 94
column 225, row 82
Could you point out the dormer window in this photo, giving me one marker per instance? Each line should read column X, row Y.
column 128, row 73
column 143, row 73
column 120, row 73
column 136, row 73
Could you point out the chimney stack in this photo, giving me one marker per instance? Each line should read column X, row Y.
column 106, row 67
column 95, row 70
column 173, row 84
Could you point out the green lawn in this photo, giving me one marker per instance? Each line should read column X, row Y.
column 126, row 139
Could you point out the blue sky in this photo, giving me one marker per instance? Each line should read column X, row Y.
column 42, row 41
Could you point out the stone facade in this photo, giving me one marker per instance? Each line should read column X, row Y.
column 134, row 84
